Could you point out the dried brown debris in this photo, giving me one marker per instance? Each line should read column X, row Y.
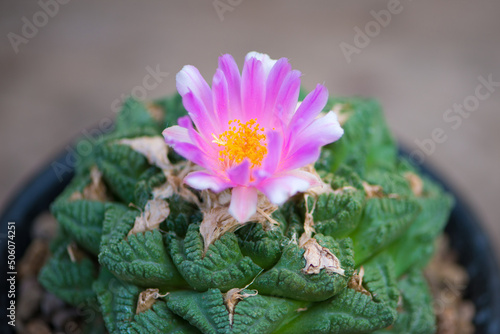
column 95, row 191
column 356, row 282
column 217, row 220
column 155, row 211
column 75, row 253
column 447, row 281
column 416, row 183
column 318, row 257
column 146, row 299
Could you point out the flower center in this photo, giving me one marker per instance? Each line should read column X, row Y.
column 242, row 140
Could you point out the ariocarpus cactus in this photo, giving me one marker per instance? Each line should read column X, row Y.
column 257, row 213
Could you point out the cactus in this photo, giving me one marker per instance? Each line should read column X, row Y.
column 134, row 255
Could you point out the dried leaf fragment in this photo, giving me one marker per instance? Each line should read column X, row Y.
column 217, row 220
column 373, row 190
column 75, row 253
column 155, row 211
column 175, row 184
column 95, row 191
column 342, row 190
column 233, row 296
column 153, row 148
column 356, row 282
column 416, row 183
column 341, row 116
column 155, row 111
column 321, row 187
column 318, row 257
column 308, row 223
column 147, row 298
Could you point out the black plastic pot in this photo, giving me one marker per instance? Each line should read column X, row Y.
column 466, row 235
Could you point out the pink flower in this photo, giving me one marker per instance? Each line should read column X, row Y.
column 250, row 133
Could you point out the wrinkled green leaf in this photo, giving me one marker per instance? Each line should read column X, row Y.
column 223, row 266
column 82, row 220
column 347, row 313
column 204, row 310
column 263, row 314
column 70, row 281
column 142, row 258
column 417, row 314
column 384, row 220
column 286, row 278
column 263, row 247
column 122, row 168
column 118, row 303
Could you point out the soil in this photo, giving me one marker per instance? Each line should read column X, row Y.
column 40, row 312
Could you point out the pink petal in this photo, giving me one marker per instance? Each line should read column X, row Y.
column 202, row 118
column 281, row 187
column 196, row 138
column 188, row 80
column 220, row 93
column 305, row 146
column 243, row 203
column 312, row 105
column 304, row 155
column 274, row 82
column 267, row 62
column 176, row 134
column 274, row 145
column 228, row 66
column 253, row 90
column 288, row 96
column 240, row 174
column 192, row 153
column 186, row 142
column 204, row 180
column 323, row 130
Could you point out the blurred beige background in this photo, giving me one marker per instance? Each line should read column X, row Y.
column 80, row 58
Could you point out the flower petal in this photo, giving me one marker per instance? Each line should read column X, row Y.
column 323, row 130
column 253, row 90
column 243, row 203
column 273, row 84
column 240, row 174
column 176, row 134
column 281, row 187
column 189, row 79
column 274, row 145
column 196, row 138
column 312, row 105
column 287, row 99
column 220, row 93
column 186, row 142
column 205, row 180
column 205, row 123
column 230, row 69
column 267, row 62
column 305, row 146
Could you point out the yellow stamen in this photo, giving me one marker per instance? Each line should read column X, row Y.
column 242, row 141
